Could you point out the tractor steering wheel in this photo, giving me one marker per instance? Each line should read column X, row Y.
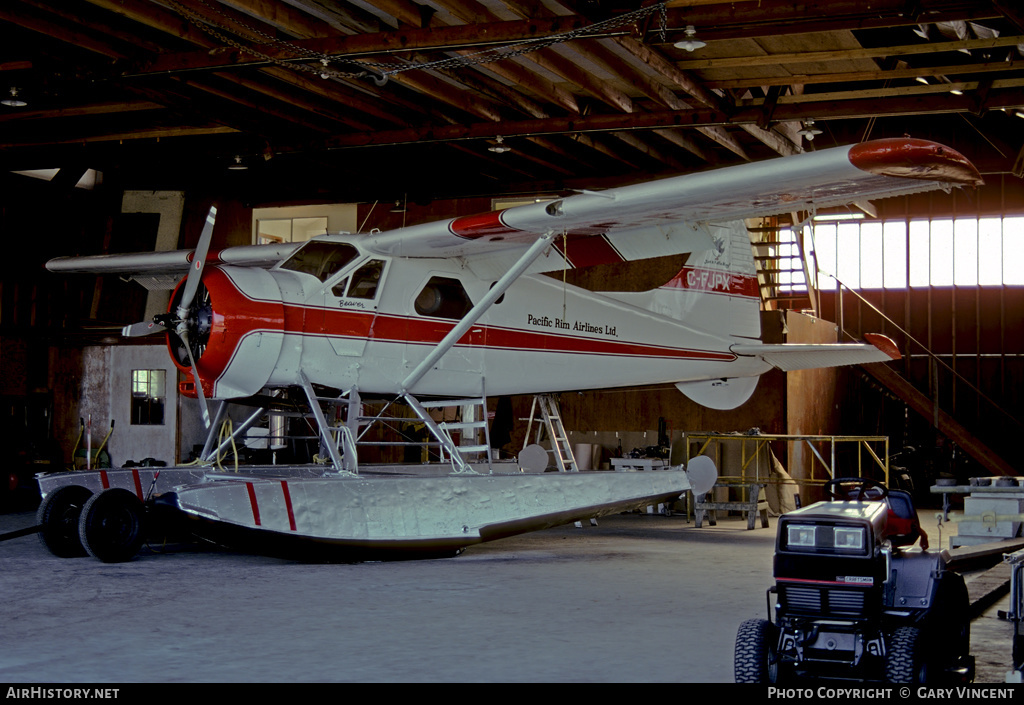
column 864, row 488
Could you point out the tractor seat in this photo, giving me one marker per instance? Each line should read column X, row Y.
column 902, row 526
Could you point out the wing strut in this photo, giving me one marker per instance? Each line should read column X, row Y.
column 448, row 342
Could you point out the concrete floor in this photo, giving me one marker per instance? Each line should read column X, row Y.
column 636, row 599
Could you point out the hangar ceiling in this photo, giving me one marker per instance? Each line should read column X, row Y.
column 402, row 98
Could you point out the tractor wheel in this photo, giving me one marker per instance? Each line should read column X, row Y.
column 57, row 518
column 905, row 660
column 755, row 660
column 111, row 526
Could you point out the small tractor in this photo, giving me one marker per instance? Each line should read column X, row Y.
column 855, row 599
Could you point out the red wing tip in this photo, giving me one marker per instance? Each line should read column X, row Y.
column 910, row 158
column 884, row 343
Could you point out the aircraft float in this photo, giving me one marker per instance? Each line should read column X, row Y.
column 461, row 310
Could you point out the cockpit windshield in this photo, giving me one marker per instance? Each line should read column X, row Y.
column 321, row 259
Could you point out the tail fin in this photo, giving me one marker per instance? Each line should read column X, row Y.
column 717, row 290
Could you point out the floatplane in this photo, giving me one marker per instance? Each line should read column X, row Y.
column 458, row 310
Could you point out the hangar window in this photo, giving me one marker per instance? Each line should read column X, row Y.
column 896, row 254
column 443, row 297
column 285, row 224
column 148, row 396
column 276, row 230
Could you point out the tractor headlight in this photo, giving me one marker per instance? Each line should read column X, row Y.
column 826, row 538
column 801, row 536
column 849, row 539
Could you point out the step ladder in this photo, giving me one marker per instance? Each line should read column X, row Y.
column 474, row 437
column 561, row 449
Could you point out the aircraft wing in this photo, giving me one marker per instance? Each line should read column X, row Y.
column 663, row 217
column 161, row 270
column 646, row 220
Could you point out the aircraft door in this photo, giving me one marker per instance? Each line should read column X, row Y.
column 351, row 308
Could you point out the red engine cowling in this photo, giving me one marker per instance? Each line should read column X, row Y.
column 236, row 329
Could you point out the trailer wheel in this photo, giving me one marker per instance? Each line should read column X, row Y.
column 111, row 527
column 905, row 660
column 755, row 659
column 57, row 518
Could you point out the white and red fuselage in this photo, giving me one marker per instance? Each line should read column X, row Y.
column 541, row 336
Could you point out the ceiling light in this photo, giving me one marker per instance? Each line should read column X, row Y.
column 237, row 165
column 922, row 79
column 954, row 91
column 691, row 42
column 14, row 101
column 499, row 146
column 808, row 130
column 397, row 208
column 1019, row 113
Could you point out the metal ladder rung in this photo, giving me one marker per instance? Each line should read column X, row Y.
column 473, row 449
column 462, row 425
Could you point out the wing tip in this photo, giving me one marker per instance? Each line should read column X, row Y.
column 912, row 158
column 885, row 344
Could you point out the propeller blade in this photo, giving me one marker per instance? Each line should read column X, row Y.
column 183, row 334
column 137, row 330
column 195, row 273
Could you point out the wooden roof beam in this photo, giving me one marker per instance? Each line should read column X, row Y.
column 878, row 75
column 669, row 119
column 848, row 54
column 755, row 18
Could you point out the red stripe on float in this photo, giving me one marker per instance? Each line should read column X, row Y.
column 252, row 501
column 138, row 483
column 104, row 479
column 288, row 504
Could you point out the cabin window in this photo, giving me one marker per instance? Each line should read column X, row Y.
column 321, row 259
column 363, row 283
column 148, row 396
column 443, row 297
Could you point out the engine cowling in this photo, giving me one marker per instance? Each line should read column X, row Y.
column 236, row 330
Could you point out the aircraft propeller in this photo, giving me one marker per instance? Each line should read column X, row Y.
column 187, row 319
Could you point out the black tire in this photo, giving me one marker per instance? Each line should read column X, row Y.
column 755, row 660
column 111, row 527
column 57, row 518
column 905, row 660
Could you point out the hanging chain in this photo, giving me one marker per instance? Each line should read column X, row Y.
column 384, row 70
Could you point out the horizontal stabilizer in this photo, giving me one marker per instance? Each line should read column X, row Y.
column 802, row 356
